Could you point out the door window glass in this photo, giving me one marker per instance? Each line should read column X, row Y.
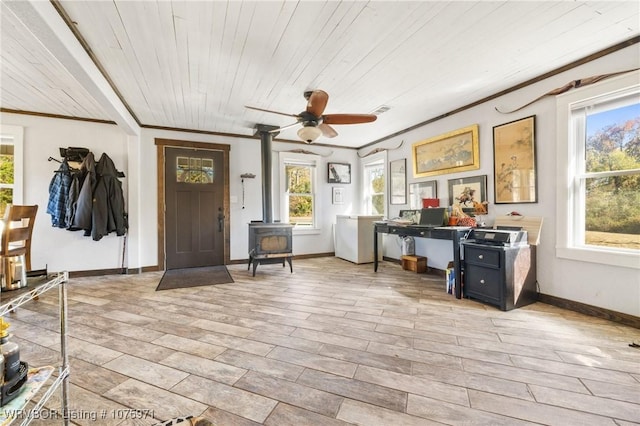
column 195, row 170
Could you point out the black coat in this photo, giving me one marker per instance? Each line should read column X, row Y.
column 82, row 219
column 108, row 212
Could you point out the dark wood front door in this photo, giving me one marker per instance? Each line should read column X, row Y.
column 194, row 216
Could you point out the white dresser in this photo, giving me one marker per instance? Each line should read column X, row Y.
column 354, row 237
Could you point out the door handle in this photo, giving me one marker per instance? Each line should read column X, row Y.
column 220, row 220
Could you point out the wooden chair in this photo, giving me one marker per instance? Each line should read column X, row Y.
column 16, row 242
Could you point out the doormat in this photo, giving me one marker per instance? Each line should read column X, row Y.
column 194, row 277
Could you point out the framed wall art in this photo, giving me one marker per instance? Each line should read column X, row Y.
column 455, row 151
column 514, row 162
column 420, row 190
column 339, row 172
column 470, row 194
column 398, row 181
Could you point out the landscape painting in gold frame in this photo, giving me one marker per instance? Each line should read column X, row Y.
column 451, row 152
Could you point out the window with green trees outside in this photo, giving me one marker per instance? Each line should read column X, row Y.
column 608, row 178
column 299, row 187
column 6, row 176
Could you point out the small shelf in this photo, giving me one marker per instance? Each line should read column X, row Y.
column 37, row 285
column 35, row 379
column 11, row 300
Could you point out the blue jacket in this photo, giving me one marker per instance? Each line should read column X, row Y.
column 59, row 195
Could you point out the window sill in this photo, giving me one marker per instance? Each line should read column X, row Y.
column 594, row 255
column 306, row 231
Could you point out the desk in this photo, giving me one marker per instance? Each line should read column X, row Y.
column 452, row 233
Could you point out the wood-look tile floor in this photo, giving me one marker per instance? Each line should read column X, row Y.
column 331, row 344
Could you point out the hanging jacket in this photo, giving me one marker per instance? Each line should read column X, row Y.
column 72, row 200
column 108, row 211
column 59, row 195
column 84, row 205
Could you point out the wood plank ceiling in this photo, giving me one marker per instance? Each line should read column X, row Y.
column 195, row 64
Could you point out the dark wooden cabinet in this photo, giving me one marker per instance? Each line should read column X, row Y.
column 502, row 276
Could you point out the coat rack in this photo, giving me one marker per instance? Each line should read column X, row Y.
column 73, row 155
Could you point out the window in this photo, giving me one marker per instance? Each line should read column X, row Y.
column 194, row 170
column 600, row 207
column 374, row 186
column 298, row 179
column 11, row 155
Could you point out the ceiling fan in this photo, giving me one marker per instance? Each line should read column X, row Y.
column 313, row 122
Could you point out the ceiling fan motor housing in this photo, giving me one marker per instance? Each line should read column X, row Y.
column 308, row 119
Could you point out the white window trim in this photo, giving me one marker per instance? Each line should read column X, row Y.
column 14, row 135
column 567, row 155
column 314, row 162
column 373, row 159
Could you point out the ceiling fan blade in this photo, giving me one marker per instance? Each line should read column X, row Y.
column 317, row 102
column 279, row 129
column 327, row 130
column 273, row 112
column 348, row 118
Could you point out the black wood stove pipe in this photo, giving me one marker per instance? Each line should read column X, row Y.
column 267, row 134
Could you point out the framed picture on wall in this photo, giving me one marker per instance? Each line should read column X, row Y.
column 470, row 194
column 422, row 190
column 514, row 162
column 451, row 152
column 339, row 172
column 398, row 181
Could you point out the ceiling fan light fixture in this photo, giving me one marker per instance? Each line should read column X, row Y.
column 309, row 133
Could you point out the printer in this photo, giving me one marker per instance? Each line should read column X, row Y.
column 499, row 237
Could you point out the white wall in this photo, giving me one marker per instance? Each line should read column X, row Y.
column 55, row 248
column 613, row 288
column 244, row 157
column 309, row 242
column 59, row 249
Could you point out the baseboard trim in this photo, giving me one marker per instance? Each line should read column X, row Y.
column 313, row 255
column 118, row 271
column 594, row 311
column 155, row 268
column 98, row 272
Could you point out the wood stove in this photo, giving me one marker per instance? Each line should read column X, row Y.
column 270, row 243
